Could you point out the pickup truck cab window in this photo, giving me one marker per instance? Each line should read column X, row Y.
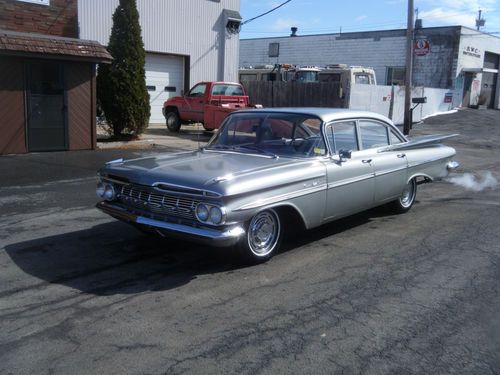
column 373, row 134
column 362, row 79
column 227, row 90
column 198, row 90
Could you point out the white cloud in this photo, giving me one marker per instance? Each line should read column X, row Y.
column 439, row 16
column 459, row 12
column 361, row 18
column 282, row 24
column 472, row 5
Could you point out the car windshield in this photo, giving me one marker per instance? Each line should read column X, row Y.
column 271, row 133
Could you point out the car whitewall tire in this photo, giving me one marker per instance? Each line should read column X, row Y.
column 407, row 198
column 263, row 236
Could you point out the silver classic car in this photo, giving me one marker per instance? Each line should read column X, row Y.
column 267, row 170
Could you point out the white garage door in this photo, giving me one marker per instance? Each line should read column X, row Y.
column 164, row 79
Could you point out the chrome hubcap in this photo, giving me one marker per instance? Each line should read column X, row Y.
column 263, row 233
column 408, row 194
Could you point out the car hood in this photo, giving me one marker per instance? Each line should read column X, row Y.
column 224, row 173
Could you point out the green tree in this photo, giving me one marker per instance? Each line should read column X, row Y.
column 121, row 86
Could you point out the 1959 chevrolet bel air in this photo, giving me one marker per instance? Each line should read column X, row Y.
column 267, row 168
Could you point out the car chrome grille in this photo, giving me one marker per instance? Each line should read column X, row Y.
column 151, row 200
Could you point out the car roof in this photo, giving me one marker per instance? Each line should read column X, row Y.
column 325, row 114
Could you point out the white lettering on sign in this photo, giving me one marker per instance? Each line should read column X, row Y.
column 41, row 2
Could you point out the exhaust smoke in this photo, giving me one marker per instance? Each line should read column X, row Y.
column 471, row 182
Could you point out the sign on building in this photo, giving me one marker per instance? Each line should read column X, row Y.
column 421, row 47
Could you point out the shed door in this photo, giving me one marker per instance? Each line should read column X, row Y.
column 47, row 130
column 164, row 79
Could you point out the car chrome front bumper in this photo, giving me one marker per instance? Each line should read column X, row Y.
column 213, row 237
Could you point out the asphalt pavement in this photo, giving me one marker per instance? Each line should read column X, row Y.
column 376, row 293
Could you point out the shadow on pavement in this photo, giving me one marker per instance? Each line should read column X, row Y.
column 114, row 258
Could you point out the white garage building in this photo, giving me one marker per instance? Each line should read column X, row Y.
column 185, row 42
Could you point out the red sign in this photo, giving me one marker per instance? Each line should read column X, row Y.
column 421, row 47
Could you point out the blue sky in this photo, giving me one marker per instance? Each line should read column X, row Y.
column 330, row 16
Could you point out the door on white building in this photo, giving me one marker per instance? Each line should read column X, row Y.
column 164, row 79
column 489, row 82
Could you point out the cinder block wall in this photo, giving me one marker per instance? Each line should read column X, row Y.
column 58, row 18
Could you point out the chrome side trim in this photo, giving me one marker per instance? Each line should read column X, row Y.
column 389, row 171
column 426, row 162
column 349, row 181
column 281, row 197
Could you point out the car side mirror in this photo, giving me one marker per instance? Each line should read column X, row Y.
column 344, row 155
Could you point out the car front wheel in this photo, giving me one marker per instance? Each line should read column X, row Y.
column 407, row 198
column 173, row 121
column 263, row 237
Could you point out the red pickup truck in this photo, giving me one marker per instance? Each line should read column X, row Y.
column 207, row 103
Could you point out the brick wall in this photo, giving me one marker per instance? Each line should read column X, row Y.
column 58, row 18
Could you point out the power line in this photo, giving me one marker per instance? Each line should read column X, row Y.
column 364, row 27
column 263, row 14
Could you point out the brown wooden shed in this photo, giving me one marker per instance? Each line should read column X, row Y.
column 47, row 92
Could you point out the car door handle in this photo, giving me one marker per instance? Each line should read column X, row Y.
column 367, row 161
column 401, row 156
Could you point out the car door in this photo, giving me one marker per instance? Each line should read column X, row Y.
column 194, row 102
column 351, row 180
column 390, row 167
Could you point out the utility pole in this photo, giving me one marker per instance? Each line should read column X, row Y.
column 409, row 66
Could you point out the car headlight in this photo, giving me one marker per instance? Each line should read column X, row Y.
column 206, row 213
column 202, row 212
column 109, row 192
column 100, row 190
column 215, row 215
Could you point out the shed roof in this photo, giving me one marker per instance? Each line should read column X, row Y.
column 35, row 45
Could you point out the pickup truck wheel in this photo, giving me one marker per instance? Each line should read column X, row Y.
column 263, row 237
column 173, row 121
column 407, row 198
